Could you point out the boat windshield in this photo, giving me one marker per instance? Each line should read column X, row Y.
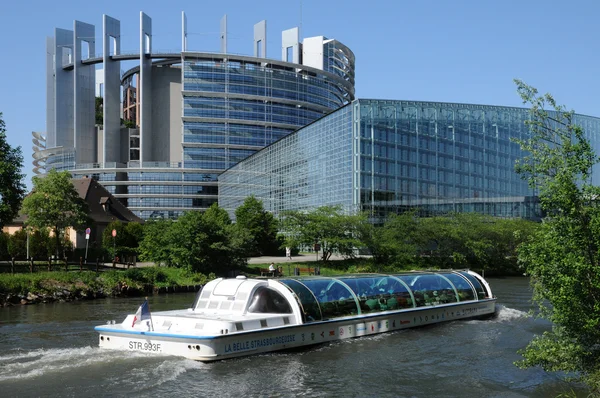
column 324, row 298
column 266, row 300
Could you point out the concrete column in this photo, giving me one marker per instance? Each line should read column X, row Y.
column 145, row 88
column 260, row 36
column 50, row 94
column 290, row 39
column 63, row 90
column 111, row 31
column 84, row 98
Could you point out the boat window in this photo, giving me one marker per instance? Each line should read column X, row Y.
column 269, row 301
column 379, row 293
column 335, row 299
column 429, row 289
column 307, row 301
column 478, row 287
column 463, row 287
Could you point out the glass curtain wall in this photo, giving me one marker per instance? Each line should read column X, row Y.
column 302, row 171
column 387, row 157
column 443, row 157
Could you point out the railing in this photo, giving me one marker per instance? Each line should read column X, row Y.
column 162, row 165
column 107, row 165
column 14, row 266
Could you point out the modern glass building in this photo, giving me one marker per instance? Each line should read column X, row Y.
column 386, row 157
column 190, row 115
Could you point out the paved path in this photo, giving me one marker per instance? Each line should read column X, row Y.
column 295, row 259
column 300, row 258
column 282, row 259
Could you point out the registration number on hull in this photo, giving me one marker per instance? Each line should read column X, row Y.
column 145, row 346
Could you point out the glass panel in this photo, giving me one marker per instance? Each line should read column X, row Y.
column 478, row 288
column 463, row 287
column 428, row 289
column 379, row 293
column 269, row 301
column 335, row 298
column 307, row 301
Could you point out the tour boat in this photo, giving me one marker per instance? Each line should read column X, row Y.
column 243, row 316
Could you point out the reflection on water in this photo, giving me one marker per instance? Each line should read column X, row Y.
column 51, row 350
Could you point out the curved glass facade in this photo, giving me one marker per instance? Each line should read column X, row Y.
column 322, row 298
column 230, row 108
column 386, row 157
column 233, row 108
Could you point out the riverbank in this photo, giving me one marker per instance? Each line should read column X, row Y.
column 62, row 286
column 46, row 287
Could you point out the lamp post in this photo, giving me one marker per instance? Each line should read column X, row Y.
column 27, row 232
column 114, row 235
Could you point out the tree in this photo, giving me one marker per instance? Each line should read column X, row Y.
column 562, row 257
column 260, row 224
column 155, row 245
column 4, row 238
column 394, row 242
column 127, row 241
column 207, row 241
column 55, row 204
column 12, row 189
column 17, row 244
column 40, row 244
column 327, row 226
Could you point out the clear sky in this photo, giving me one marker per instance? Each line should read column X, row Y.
column 429, row 50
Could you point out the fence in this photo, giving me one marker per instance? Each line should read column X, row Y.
column 14, row 266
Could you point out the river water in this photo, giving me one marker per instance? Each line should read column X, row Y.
column 51, row 350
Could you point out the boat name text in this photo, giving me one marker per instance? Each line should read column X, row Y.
column 258, row 343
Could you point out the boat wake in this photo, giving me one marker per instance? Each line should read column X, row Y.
column 31, row 364
column 22, row 365
column 505, row 314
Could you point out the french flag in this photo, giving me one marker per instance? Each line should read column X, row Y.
column 142, row 313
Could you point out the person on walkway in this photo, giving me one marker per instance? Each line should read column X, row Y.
column 288, row 253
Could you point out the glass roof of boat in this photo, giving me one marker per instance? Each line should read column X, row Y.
column 323, row 298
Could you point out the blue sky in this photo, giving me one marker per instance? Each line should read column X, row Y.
column 430, row 50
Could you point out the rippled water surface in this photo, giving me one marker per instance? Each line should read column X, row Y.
column 51, row 350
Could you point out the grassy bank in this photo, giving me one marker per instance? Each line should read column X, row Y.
column 108, row 282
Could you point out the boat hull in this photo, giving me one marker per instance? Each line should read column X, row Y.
column 210, row 348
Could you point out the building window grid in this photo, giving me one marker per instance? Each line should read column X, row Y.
column 439, row 157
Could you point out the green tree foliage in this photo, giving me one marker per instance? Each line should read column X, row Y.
column 17, row 245
column 392, row 244
column 55, row 204
column 472, row 240
column 12, row 189
column 126, row 243
column 156, row 243
column 334, row 231
column 260, row 225
column 4, row 237
column 40, row 244
column 462, row 240
column 203, row 242
column 562, row 258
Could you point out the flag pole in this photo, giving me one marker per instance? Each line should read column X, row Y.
column 150, row 312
